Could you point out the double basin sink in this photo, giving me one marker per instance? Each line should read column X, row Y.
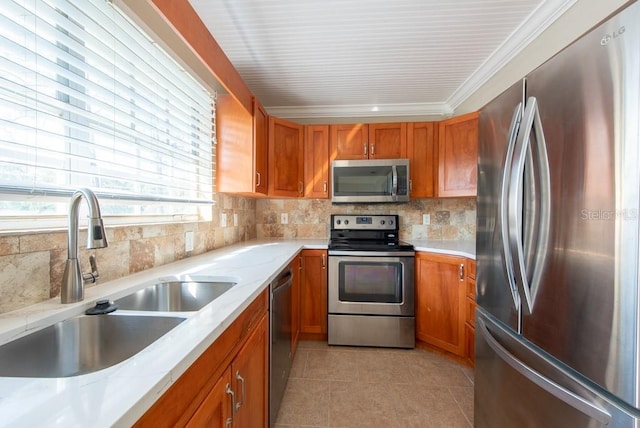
column 87, row 343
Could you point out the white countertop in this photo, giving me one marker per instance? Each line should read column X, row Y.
column 119, row 395
column 453, row 248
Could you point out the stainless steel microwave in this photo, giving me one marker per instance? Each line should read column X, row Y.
column 369, row 181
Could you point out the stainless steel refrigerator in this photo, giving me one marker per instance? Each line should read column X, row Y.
column 557, row 325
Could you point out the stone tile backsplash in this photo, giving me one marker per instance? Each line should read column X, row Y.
column 452, row 218
column 32, row 264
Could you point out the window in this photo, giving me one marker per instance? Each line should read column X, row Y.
column 87, row 99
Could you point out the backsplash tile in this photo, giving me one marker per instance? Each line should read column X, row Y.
column 131, row 249
column 41, row 256
column 453, row 218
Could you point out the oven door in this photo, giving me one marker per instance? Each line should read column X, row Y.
column 371, row 283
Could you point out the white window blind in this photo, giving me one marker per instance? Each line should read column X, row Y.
column 87, row 99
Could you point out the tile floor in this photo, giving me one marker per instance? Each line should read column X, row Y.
column 335, row 386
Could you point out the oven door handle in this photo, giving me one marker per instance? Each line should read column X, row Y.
column 372, row 253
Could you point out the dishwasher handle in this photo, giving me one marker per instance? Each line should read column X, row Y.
column 284, row 281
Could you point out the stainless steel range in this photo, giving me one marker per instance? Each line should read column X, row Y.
column 371, row 289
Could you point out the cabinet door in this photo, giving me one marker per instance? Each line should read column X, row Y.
column 349, row 141
column 313, row 315
column 296, row 268
column 458, row 156
column 421, row 143
column 249, row 372
column 316, row 161
column 215, row 410
column 234, row 130
column 261, row 147
column 286, row 160
column 387, row 140
column 440, row 301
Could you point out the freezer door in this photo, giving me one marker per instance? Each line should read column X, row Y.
column 585, row 310
column 498, row 125
column 516, row 385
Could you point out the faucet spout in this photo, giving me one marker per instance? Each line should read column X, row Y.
column 72, row 289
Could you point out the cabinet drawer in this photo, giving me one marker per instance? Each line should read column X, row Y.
column 470, row 311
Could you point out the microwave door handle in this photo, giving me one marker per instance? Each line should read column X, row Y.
column 394, row 182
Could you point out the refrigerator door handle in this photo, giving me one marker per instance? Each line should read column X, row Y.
column 504, row 199
column 548, row 385
column 531, row 120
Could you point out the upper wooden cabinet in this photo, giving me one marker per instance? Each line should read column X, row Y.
column 316, row 161
column 286, row 158
column 458, row 156
column 261, row 147
column 241, row 166
column 349, row 141
column 387, row 140
column 421, row 150
column 372, row 141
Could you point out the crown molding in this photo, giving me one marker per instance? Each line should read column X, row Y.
column 360, row 110
column 538, row 20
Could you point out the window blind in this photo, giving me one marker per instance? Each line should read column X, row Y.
column 87, row 99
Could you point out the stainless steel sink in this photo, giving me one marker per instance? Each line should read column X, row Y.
column 82, row 345
column 175, row 296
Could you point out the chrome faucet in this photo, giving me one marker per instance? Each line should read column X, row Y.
column 73, row 280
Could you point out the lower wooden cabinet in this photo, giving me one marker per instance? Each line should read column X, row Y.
column 470, row 319
column 296, row 269
column 313, row 294
column 440, row 301
column 227, row 383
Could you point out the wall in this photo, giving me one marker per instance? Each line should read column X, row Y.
column 449, row 218
column 581, row 17
column 32, row 264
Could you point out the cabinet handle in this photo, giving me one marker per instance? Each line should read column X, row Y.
column 300, row 187
column 229, row 423
column 324, row 187
column 373, row 149
column 259, row 179
column 461, row 272
column 230, row 392
column 324, row 261
column 366, row 148
column 240, row 402
column 410, row 185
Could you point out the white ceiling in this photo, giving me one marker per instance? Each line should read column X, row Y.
column 348, row 58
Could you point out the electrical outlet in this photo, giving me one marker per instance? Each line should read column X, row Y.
column 235, row 220
column 284, row 218
column 426, row 219
column 223, row 220
column 188, row 241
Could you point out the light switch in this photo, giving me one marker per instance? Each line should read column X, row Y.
column 188, row 241
column 284, row 218
column 223, row 220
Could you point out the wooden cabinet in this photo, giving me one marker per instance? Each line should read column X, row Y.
column 296, row 269
column 369, row 141
column 215, row 410
column 458, row 156
column 261, row 147
column 421, row 149
column 349, row 141
column 440, row 301
column 229, row 380
column 286, row 158
column 241, row 152
column 470, row 313
column 388, row 140
column 316, row 161
column 313, row 298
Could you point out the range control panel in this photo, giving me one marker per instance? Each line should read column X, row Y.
column 364, row 222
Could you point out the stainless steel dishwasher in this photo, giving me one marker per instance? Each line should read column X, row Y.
column 280, row 359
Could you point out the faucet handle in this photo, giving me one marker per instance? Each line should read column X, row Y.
column 91, row 277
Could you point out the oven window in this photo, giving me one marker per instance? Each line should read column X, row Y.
column 375, row 282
